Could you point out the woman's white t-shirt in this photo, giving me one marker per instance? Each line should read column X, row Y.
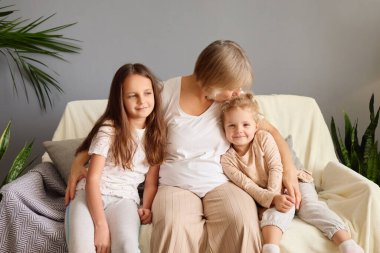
column 195, row 144
column 115, row 180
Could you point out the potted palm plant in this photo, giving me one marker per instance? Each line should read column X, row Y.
column 22, row 43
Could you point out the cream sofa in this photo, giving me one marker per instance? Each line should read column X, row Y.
column 351, row 196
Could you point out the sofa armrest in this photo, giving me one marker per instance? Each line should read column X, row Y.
column 356, row 199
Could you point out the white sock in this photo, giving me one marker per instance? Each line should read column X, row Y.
column 270, row 248
column 350, row 246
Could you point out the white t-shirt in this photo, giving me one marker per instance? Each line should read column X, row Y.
column 115, row 180
column 195, row 144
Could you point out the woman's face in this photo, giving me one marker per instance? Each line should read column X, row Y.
column 225, row 94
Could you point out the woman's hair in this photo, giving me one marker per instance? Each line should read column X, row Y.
column 245, row 101
column 123, row 144
column 223, row 65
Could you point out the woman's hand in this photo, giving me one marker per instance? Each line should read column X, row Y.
column 102, row 239
column 145, row 215
column 290, row 183
column 77, row 172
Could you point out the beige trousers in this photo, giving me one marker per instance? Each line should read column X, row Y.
column 224, row 220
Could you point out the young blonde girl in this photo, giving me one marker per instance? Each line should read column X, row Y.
column 126, row 146
column 253, row 163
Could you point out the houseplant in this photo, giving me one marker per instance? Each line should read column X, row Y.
column 20, row 162
column 23, row 45
column 363, row 157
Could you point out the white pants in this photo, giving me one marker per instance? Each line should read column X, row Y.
column 317, row 213
column 123, row 221
column 312, row 211
column 272, row 217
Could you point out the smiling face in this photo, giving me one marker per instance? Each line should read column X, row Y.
column 240, row 128
column 138, row 99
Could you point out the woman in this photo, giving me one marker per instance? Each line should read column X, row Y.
column 196, row 205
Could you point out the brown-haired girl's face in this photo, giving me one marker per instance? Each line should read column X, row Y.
column 138, row 99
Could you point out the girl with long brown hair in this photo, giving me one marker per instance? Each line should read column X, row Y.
column 126, row 146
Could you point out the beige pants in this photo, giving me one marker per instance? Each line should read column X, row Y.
column 225, row 220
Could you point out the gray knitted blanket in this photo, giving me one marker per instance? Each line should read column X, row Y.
column 32, row 212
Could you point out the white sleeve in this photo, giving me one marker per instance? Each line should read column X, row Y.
column 101, row 142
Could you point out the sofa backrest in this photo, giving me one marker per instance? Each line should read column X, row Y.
column 296, row 115
column 301, row 117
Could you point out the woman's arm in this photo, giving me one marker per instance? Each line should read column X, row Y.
column 289, row 179
column 102, row 239
column 77, row 172
column 150, row 189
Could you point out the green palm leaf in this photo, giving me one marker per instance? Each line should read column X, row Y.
column 21, row 45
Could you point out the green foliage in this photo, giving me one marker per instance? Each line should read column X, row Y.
column 4, row 139
column 20, row 162
column 362, row 157
column 20, row 44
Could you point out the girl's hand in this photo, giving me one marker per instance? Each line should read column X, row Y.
column 283, row 202
column 77, row 172
column 145, row 215
column 102, row 239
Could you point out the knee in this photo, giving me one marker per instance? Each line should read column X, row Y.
column 81, row 247
column 125, row 242
column 308, row 207
column 165, row 220
column 242, row 219
column 126, row 246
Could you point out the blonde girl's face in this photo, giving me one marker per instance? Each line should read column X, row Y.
column 240, row 127
column 138, row 99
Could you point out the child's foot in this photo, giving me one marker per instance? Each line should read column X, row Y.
column 350, row 246
column 270, row 248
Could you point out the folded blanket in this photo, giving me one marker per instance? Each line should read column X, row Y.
column 32, row 212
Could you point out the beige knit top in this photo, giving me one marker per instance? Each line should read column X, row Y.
column 259, row 171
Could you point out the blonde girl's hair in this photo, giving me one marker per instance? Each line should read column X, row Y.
column 223, row 65
column 245, row 101
column 123, row 145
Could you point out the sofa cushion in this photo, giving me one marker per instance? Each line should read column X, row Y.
column 62, row 154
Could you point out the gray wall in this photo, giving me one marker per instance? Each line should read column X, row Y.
column 329, row 50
